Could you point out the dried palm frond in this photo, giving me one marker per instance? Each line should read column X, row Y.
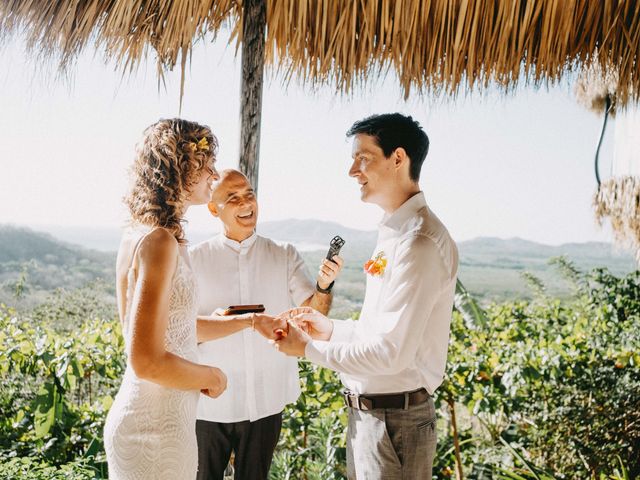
column 618, row 199
column 444, row 45
column 432, row 45
column 594, row 85
column 123, row 28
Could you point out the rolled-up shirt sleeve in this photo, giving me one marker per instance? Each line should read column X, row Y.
column 418, row 277
column 301, row 287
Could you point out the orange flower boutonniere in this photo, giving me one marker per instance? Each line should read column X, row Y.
column 376, row 266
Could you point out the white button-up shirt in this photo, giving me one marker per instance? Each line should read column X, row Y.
column 400, row 342
column 261, row 380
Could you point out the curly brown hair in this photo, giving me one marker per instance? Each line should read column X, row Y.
column 169, row 161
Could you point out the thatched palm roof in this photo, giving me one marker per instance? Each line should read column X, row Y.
column 437, row 45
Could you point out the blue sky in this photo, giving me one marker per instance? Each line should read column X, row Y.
column 499, row 165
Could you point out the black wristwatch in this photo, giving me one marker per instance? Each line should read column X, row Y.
column 327, row 290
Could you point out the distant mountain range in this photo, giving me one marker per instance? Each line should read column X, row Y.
column 516, row 253
column 306, row 234
column 491, row 268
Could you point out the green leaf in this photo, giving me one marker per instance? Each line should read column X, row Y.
column 94, row 447
column 504, row 474
column 107, row 401
column 78, row 370
column 45, row 409
column 469, row 308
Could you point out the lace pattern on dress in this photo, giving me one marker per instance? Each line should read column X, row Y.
column 150, row 429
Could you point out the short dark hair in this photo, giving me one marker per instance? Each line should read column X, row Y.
column 394, row 130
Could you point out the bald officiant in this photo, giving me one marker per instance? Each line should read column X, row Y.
column 238, row 267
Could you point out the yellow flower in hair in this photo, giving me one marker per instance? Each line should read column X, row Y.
column 203, row 144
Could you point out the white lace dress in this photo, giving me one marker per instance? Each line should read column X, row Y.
column 150, row 430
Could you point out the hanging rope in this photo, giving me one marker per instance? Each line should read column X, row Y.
column 607, row 108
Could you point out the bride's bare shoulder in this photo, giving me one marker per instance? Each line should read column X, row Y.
column 153, row 244
column 157, row 246
column 159, row 236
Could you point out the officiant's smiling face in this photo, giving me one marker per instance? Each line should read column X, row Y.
column 234, row 202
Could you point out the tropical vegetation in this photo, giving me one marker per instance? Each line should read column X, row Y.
column 543, row 388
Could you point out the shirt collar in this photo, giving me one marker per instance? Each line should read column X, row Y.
column 395, row 221
column 239, row 246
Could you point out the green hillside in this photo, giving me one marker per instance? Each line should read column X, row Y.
column 491, row 268
column 33, row 264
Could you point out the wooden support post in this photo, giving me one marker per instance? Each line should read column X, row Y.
column 253, row 39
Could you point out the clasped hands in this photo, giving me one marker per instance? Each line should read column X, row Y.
column 290, row 331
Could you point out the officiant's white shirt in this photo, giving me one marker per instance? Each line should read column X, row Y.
column 260, row 380
column 400, row 341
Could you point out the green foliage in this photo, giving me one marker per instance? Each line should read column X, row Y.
column 27, row 468
column 21, row 286
column 67, row 310
column 543, row 388
column 312, row 443
column 534, row 283
column 559, row 380
column 57, row 388
column 468, row 307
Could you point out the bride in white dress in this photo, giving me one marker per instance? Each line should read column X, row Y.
column 150, row 429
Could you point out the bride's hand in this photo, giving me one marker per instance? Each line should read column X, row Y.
column 218, row 383
column 270, row 327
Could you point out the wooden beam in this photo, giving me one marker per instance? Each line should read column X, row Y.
column 253, row 39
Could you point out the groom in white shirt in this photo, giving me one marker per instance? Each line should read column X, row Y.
column 238, row 267
column 392, row 360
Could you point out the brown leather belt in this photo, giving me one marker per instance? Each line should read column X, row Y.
column 386, row 400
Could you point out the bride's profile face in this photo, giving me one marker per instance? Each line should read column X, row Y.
column 201, row 191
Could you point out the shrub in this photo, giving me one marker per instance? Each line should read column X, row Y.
column 543, row 387
column 559, row 379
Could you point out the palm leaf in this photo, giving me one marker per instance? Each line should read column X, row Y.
column 474, row 316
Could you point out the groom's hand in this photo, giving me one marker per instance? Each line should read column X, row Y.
column 294, row 342
column 310, row 321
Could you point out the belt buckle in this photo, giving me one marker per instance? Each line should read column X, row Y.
column 348, row 399
column 354, row 400
column 365, row 403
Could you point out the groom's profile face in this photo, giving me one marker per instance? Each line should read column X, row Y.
column 234, row 202
column 372, row 170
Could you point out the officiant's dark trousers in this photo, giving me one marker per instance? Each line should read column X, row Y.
column 253, row 444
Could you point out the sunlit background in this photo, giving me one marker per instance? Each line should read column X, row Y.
column 519, row 165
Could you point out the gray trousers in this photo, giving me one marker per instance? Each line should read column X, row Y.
column 391, row 444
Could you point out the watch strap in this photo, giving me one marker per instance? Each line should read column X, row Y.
column 327, row 290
